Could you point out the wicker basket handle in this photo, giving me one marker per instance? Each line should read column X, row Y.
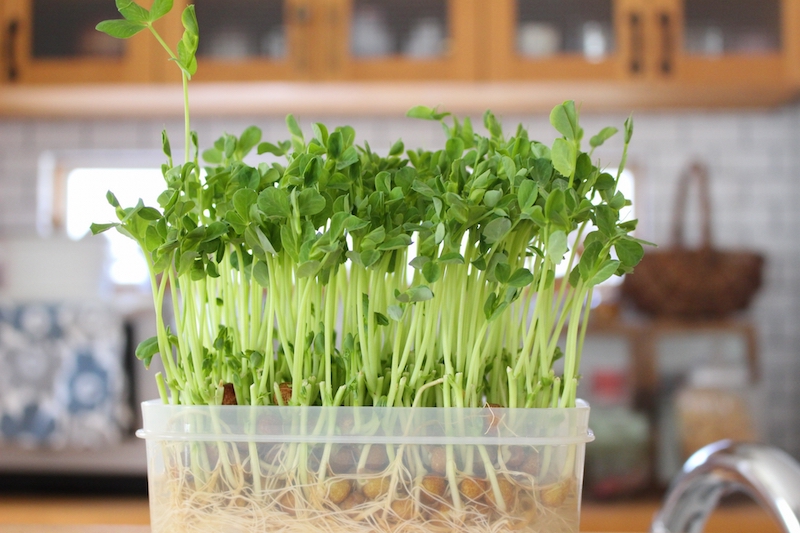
column 696, row 172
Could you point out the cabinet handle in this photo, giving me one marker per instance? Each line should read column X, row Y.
column 12, row 31
column 637, row 43
column 302, row 17
column 333, row 25
column 665, row 24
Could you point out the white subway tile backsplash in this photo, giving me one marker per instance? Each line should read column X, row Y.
column 63, row 134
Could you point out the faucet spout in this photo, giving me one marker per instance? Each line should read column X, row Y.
column 770, row 476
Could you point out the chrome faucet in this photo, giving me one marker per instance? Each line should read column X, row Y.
column 770, row 476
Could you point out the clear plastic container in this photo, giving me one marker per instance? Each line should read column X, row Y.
column 298, row 469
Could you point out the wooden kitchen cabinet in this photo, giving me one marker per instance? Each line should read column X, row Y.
column 53, row 41
column 401, row 39
column 608, row 54
column 574, row 40
column 663, row 41
column 252, row 40
column 710, row 42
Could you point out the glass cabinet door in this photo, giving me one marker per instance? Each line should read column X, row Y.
column 243, row 40
column 401, row 39
column 737, row 27
column 56, row 41
column 722, row 39
column 552, row 39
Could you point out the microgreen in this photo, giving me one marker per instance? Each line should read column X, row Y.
column 295, row 275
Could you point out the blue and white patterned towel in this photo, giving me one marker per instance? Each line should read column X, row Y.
column 62, row 376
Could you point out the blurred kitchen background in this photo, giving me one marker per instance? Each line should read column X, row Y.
column 708, row 81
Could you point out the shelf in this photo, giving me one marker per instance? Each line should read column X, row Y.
column 372, row 98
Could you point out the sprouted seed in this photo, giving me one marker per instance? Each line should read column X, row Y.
column 330, row 275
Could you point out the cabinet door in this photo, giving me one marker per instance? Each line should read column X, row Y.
column 400, row 39
column 54, row 41
column 249, row 40
column 551, row 40
column 731, row 40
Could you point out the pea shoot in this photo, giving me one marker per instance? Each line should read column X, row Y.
column 331, row 275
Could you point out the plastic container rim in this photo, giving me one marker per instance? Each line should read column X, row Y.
column 583, row 435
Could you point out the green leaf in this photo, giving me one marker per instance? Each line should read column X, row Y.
column 152, row 240
column 395, row 243
column 165, row 144
column 452, row 258
column 502, row 272
column 349, row 157
column 604, row 135
column 439, row 234
column 213, row 156
column 120, row 29
column 215, row 230
column 454, row 148
column 563, row 156
column 320, row 133
column 189, row 21
column 310, row 202
column 397, row 148
column 250, row 138
column 274, row 202
column 521, row 277
column 353, row 223
column 491, row 198
column 395, row 312
column 159, row 9
column 297, row 134
column 628, row 129
column 420, row 293
column 527, row 193
column 381, row 319
column 489, row 305
column 606, row 219
column 257, row 241
column 510, row 168
column 589, row 259
column 146, row 350
column 498, row 311
column 495, row 230
column 242, row 200
column 369, row 257
column 149, row 213
column 100, row 228
column 186, row 59
column 132, row 11
column 431, row 271
column 554, row 204
column 267, row 147
column 308, row 269
column 629, row 252
column 564, row 119
column 335, row 144
column 605, row 271
column 557, row 246
column 425, row 113
column 261, row 274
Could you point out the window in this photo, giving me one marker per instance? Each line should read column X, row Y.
column 73, row 187
column 86, row 203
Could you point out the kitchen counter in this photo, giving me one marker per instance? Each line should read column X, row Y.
column 36, row 528
column 17, row 513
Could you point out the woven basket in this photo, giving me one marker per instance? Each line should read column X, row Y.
column 705, row 282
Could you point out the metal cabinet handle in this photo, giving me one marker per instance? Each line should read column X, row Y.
column 12, row 32
column 637, row 43
column 667, row 43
